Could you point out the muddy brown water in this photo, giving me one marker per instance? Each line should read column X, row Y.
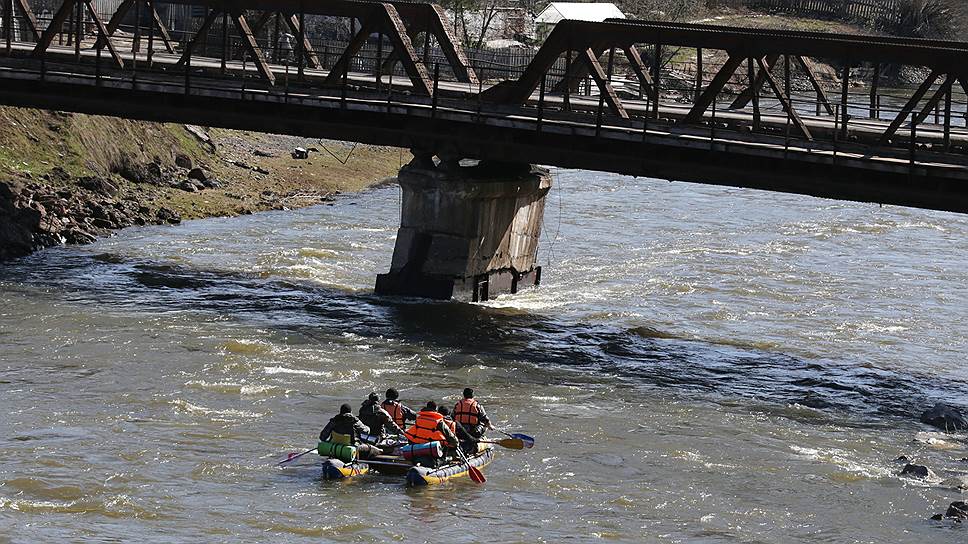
column 701, row 365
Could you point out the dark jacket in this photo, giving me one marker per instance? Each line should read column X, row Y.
column 347, row 424
column 377, row 419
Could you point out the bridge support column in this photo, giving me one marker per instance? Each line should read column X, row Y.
column 467, row 232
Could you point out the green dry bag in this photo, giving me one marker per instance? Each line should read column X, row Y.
column 344, row 453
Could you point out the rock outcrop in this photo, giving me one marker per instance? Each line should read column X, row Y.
column 945, row 418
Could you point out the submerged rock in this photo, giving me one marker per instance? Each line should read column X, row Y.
column 920, row 472
column 958, row 510
column 945, row 418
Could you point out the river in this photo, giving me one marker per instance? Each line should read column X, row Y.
column 701, row 364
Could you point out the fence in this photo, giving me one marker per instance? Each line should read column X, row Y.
column 870, row 11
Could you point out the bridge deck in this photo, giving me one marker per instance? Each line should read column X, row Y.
column 463, row 120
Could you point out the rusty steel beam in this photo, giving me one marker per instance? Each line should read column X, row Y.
column 252, row 46
column 123, row 9
column 934, row 100
column 808, row 67
column 202, row 30
column 908, row 108
column 604, row 86
column 63, row 13
column 712, row 90
column 746, row 95
column 28, row 14
column 784, row 99
column 640, row 69
column 103, row 33
column 307, row 48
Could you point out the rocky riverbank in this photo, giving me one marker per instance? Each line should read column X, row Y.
column 68, row 178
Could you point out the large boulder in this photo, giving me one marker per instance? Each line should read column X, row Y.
column 945, row 418
column 919, row 472
column 957, row 510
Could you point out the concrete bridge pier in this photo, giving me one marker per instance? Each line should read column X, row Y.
column 468, row 230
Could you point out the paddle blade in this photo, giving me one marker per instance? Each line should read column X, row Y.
column 511, row 443
column 476, row 475
column 528, row 441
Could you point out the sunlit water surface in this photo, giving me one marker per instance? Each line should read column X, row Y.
column 701, row 364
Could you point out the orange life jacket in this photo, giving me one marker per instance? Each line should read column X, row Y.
column 425, row 428
column 451, row 424
column 395, row 410
column 466, row 412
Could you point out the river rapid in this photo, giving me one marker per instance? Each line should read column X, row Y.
column 701, row 364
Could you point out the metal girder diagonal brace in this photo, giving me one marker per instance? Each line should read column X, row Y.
column 342, row 64
column 199, row 35
column 123, row 10
column 29, row 15
column 784, row 99
column 640, row 69
column 53, row 29
column 384, row 18
column 934, row 100
column 715, row 86
column 604, row 86
column 577, row 72
column 432, row 21
column 103, row 33
column 808, row 70
column 307, row 47
column 908, row 108
column 160, row 25
column 250, row 44
column 746, row 96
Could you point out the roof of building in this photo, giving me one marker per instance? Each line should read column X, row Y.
column 579, row 11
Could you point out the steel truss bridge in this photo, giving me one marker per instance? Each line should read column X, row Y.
column 798, row 112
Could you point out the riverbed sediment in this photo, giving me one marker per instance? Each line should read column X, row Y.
column 69, row 178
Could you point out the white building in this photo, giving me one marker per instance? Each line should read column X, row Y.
column 577, row 11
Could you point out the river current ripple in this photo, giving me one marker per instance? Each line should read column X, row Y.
column 701, row 364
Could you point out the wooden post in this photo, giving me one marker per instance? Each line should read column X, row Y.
column 656, row 79
column 274, row 46
column 845, row 87
column 755, row 96
column 302, row 41
column 188, row 70
column 541, row 95
column 566, row 100
column 601, row 94
column 8, row 24
column 151, row 39
column 225, row 39
column 874, row 114
column 378, row 65
column 433, row 110
column 947, row 115
column 78, row 29
column 699, row 75
column 136, row 41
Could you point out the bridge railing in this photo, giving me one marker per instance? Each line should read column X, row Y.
column 721, row 85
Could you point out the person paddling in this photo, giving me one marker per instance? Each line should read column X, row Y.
column 377, row 419
column 469, row 413
column 345, row 428
column 430, row 426
column 400, row 413
column 467, row 442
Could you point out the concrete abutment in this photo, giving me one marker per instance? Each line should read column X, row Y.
column 467, row 231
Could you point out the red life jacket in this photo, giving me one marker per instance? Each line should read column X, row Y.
column 425, row 428
column 451, row 424
column 395, row 410
column 466, row 412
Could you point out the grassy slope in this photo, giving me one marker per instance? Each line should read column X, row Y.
column 33, row 142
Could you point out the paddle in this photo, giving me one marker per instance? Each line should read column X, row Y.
column 476, row 475
column 509, row 443
column 528, row 441
column 293, row 456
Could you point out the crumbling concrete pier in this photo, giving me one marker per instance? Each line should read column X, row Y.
column 467, row 231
